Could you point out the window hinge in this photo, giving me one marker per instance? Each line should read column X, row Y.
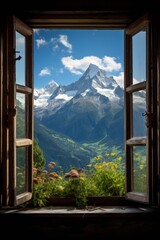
column 149, row 119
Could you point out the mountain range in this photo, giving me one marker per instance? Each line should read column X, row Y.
column 86, row 112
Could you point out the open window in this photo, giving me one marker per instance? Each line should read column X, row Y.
column 18, row 139
column 18, row 134
column 138, row 113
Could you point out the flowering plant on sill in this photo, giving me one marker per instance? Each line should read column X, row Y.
column 100, row 178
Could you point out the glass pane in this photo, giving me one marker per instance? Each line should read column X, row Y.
column 20, row 115
column 139, row 169
column 139, row 57
column 139, row 108
column 20, row 62
column 21, row 168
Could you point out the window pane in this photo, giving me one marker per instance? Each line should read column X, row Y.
column 139, row 57
column 21, row 168
column 21, row 115
column 139, row 169
column 139, row 108
column 20, row 63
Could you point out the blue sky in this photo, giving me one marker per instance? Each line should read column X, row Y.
column 64, row 55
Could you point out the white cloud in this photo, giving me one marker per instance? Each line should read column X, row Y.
column 44, row 72
column 40, row 42
column 78, row 66
column 64, row 40
column 110, row 64
column 120, row 79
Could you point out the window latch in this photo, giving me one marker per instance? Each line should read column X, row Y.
column 19, row 57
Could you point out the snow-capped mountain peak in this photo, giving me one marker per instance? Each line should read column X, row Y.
column 92, row 70
column 41, row 95
column 94, row 80
column 51, row 86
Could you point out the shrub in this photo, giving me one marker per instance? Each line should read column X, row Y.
column 100, row 178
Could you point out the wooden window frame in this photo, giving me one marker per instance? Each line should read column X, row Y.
column 10, row 88
column 150, row 86
column 77, row 23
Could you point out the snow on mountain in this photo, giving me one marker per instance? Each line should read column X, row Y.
column 100, row 83
column 92, row 70
column 93, row 81
column 86, row 109
column 108, row 93
column 105, row 85
column 68, row 95
column 42, row 95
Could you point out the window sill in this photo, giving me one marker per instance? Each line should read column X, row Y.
column 95, row 206
column 90, row 210
column 103, row 222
